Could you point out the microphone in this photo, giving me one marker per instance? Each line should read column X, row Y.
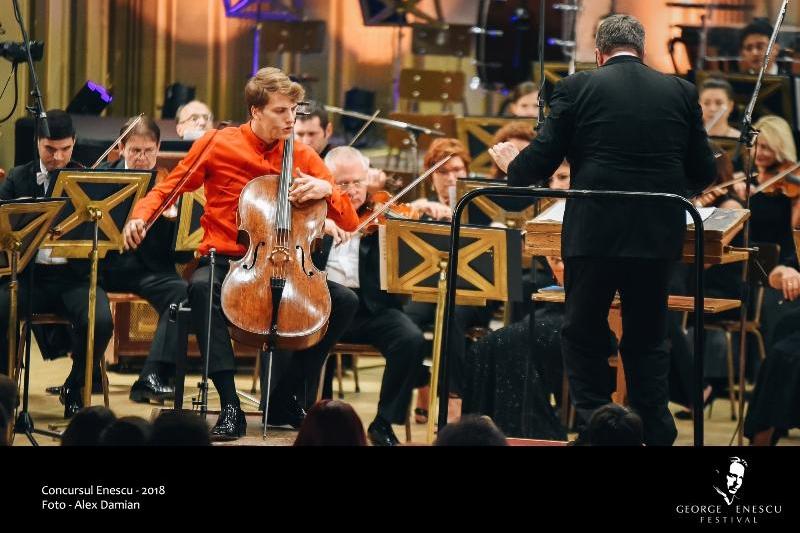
column 44, row 128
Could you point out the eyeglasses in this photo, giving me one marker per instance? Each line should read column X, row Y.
column 138, row 152
column 197, row 117
column 344, row 185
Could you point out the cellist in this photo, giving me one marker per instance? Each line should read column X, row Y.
column 237, row 156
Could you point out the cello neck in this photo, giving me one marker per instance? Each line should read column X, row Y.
column 284, row 221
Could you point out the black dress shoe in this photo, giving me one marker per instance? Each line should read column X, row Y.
column 290, row 415
column 380, row 433
column 71, row 398
column 230, row 425
column 97, row 387
column 150, row 387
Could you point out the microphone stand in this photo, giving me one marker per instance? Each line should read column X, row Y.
column 747, row 140
column 541, row 118
column 24, row 422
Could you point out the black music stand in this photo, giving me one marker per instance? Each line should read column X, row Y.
column 100, row 202
column 23, row 226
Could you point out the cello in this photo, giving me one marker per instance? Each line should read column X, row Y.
column 273, row 296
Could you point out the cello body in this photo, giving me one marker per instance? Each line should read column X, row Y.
column 274, row 295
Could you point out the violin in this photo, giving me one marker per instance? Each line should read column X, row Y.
column 396, row 211
column 783, row 182
column 274, row 296
column 390, row 202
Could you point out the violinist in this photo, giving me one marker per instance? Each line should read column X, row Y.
column 380, row 319
column 149, row 271
column 444, row 178
column 60, row 286
column 771, row 210
column 422, row 313
column 237, row 156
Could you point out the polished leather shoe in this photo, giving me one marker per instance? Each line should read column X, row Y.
column 97, row 387
column 150, row 387
column 290, row 415
column 71, row 398
column 380, row 433
column 230, row 425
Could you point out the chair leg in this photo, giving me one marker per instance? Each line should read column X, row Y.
column 762, row 351
column 565, row 403
column 731, row 394
column 104, row 379
column 408, row 423
column 355, row 371
column 256, row 371
column 339, row 375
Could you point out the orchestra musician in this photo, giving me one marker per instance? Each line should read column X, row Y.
column 60, row 286
column 464, row 316
column 193, row 120
column 623, row 127
column 753, row 42
column 380, row 320
column 149, row 271
column 314, row 128
column 239, row 155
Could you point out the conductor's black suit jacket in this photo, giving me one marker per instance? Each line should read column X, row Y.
column 622, row 127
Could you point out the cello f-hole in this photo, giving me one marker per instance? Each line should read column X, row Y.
column 255, row 256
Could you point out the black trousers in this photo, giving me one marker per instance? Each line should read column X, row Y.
column 402, row 343
column 304, row 367
column 160, row 289
column 587, row 341
column 58, row 289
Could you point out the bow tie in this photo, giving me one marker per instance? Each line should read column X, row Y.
column 42, row 178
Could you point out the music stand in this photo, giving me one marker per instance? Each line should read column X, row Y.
column 99, row 201
column 23, row 226
column 508, row 211
column 477, row 135
column 190, row 232
column 417, row 255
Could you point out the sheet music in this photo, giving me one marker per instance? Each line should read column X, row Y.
column 705, row 212
column 555, row 213
column 383, row 255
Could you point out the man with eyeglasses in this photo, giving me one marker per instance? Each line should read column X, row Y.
column 193, row 120
column 753, row 45
column 380, row 321
column 149, row 271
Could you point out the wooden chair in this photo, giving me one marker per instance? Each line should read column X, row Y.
column 42, row 319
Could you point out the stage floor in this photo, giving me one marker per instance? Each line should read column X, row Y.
column 46, row 409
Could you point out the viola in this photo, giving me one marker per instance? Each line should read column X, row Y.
column 712, row 193
column 274, row 295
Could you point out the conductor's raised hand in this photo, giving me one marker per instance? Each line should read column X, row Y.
column 305, row 188
column 133, row 233
column 503, row 154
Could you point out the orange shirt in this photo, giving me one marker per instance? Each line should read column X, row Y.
column 236, row 158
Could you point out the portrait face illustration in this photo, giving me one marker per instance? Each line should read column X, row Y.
column 734, row 478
